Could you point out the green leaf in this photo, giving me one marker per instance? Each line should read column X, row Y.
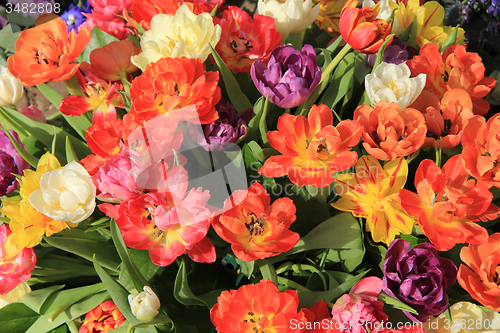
column 8, row 38
column 395, row 303
column 47, row 322
column 60, row 329
column 11, row 119
column 236, row 96
column 182, row 292
column 450, row 40
column 98, row 39
column 63, row 299
column 33, row 161
column 70, row 152
column 107, row 255
column 406, row 34
column 36, row 298
column 16, row 317
column 340, row 233
column 133, row 272
column 412, row 40
column 143, row 263
column 340, row 82
column 380, row 54
column 10, row 123
column 267, row 270
column 309, row 298
column 262, row 122
column 79, row 124
column 117, row 293
column 246, row 267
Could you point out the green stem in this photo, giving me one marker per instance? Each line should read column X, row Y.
column 126, row 85
column 328, row 70
column 439, row 151
column 296, row 39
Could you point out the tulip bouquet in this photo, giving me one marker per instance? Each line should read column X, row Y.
column 318, row 166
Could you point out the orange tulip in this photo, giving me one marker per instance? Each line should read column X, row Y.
column 445, row 119
column 256, row 228
column 174, row 83
column 258, row 308
column 389, row 132
column 102, row 318
column 112, row 61
column 447, row 204
column 456, row 68
column 480, row 279
column 481, row 149
column 361, row 29
column 45, row 53
column 313, row 149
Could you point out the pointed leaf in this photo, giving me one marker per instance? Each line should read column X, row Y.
column 309, row 298
column 117, row 293
column 450, row 40
column 395, row 303
column 65, row 298
column 85, row 248
column 70, row 152
column 128, row 264
column 43, row 132
column 236, row 96
column 47, row 322
column 32, row 160
column 182, row 292
column 380, row 54
column 36, row 298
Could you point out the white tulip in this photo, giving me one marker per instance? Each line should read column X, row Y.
column 392, row 83
column 462, row 315
column 385, row 9
column 144, row 305
column 183, row 35
column 11, row 89
column 65, row 194
column 291, row 16
column 15, row 295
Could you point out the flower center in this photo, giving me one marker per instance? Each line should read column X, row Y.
column 71, row 19
column 256, row 321
column 395, row 89
column 255, row 225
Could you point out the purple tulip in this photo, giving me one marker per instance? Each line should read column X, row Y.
column 227, row 129
column 10, row 163
column 289, row 77
column 418, row 278
column 396, row 53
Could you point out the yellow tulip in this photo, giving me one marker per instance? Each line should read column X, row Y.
column 371, row 192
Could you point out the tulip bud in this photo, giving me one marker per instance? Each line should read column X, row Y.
column 11, row 89
column 144, row 305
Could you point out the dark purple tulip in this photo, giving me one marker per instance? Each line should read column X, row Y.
column 289, row 77
column 10, row 163
column 396, row 53
column 227, row 129
column 418, row 278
